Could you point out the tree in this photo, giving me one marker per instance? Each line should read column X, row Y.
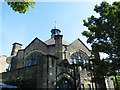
column 104, row 34
column 20, row 6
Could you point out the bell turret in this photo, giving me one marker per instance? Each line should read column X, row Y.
column 55, row 31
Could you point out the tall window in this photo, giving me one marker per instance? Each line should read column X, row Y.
column 64, row 84
column 79, row 58
column 81, row 87
column 89, row 87
column 32, row 59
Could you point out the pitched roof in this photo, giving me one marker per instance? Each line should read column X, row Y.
column 81, row 43
column 34, row 41
column 51, row 41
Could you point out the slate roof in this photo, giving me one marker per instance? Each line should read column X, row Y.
column 51, row 41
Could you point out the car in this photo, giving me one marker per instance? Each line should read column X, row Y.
column 3, row 85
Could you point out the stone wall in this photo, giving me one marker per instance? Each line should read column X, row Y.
column 46, row 72
column 50, row 50
column 20, row 59
column 36, row 44
column 17, row 61
column 42, row 72
column 78, row 45
column 26, row 72
column 85, row 79
column 3, row 64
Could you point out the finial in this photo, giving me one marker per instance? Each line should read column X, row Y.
column 55, row 31
column 55, row 26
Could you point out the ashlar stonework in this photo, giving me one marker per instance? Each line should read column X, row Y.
column 51, row 64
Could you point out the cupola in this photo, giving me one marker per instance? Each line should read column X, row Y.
column 55, row 31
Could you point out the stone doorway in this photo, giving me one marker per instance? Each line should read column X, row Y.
column 64, row 84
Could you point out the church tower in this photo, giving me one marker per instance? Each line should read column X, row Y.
column 55, row 33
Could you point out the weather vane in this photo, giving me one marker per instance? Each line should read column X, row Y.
column 55, row 26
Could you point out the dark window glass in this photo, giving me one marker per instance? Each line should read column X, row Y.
column 32, row 59
column 79, row 58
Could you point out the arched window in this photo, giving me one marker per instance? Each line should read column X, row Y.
column 64, row 84
column 32, row 59
column 89, row 87
column 81, row 87
column 79, row 58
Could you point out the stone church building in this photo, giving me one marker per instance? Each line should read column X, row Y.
column 51, row 64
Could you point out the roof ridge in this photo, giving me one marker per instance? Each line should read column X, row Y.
column 51, row 41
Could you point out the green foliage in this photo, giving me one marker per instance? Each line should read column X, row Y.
column 118, row 80
column 100, row 69
column 22, row 6
column 107, row 26
column 104, row 33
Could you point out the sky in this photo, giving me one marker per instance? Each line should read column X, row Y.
column 39, row 21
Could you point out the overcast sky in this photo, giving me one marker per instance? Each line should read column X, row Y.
column 38, row 22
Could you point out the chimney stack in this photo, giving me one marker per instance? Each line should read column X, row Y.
column 16, row 47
